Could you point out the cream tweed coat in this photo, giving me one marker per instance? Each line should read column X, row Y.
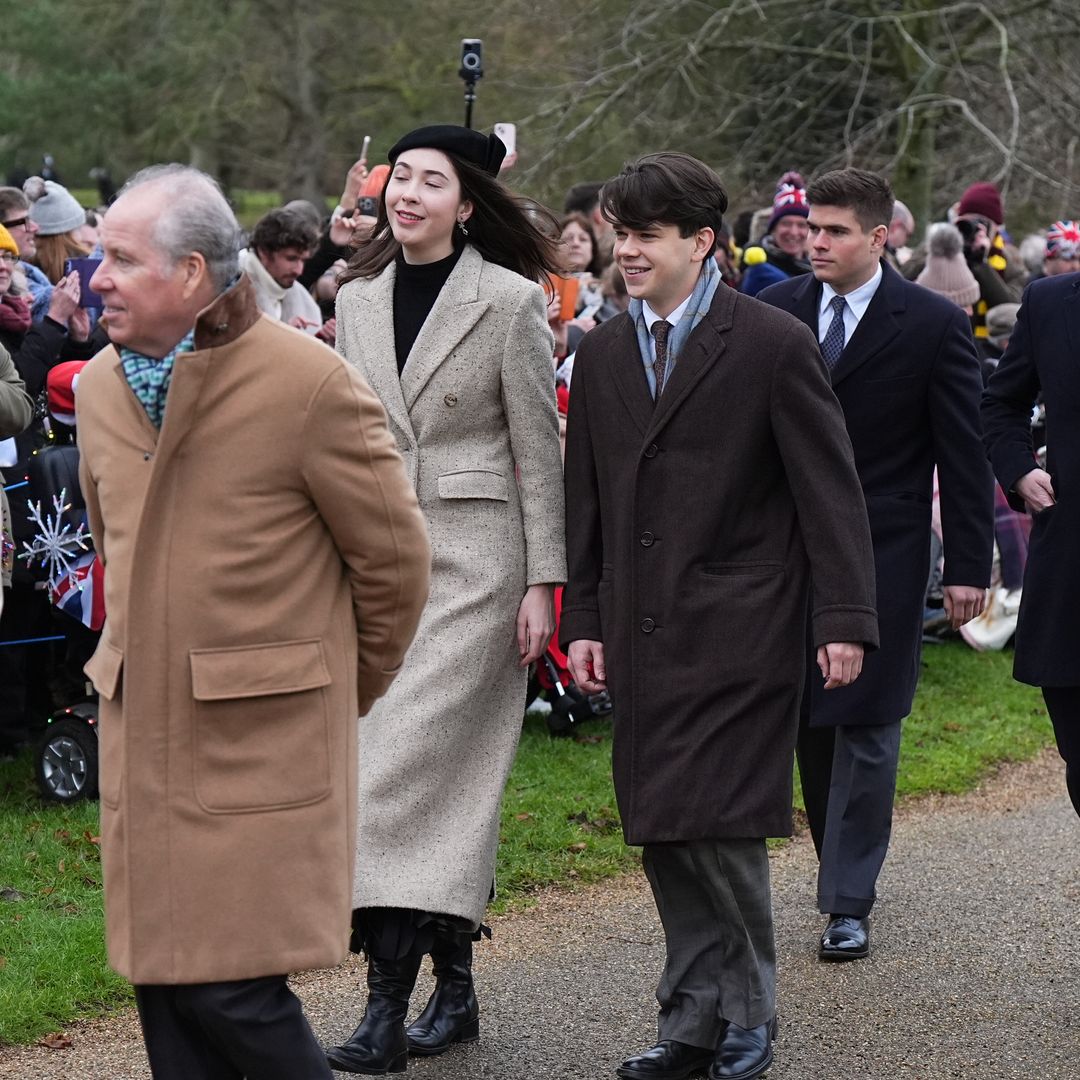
column 474, row 405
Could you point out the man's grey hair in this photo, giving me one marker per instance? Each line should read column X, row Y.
column 195, row 216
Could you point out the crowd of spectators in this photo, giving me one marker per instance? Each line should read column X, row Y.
column 296, row 252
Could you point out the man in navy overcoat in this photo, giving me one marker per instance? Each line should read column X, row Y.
column 904, row 367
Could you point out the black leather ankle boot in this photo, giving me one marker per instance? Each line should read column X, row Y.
column 452, row 1014
column 379, row 1045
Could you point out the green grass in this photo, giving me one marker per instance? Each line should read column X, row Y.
column 559, row 826
column 52, row 952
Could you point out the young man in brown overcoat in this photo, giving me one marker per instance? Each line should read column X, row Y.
column 708, row 478
column 265, row 568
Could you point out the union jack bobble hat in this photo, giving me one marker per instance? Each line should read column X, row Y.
column 790, row 199
column 1063, row 240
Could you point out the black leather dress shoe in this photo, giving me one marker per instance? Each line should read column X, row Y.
column 743, row 1053
column 667, row 1060
column 847, row 937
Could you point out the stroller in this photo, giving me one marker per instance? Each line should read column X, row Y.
column 61, row 558
column 551, row 681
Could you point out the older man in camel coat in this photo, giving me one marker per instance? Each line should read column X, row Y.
column 265, row 568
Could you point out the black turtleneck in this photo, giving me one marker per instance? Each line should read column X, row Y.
column 416, row 288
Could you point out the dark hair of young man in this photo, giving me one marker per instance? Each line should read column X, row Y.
column 869, row 195
column 582, row 198
column 281, row 229
column 665, row 189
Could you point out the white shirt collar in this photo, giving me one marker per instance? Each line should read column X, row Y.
column 858, row 299
column 650, row 316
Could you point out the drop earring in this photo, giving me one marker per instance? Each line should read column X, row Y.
column 461, row 226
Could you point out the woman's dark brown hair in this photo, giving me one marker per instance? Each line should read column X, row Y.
column 503, row 228
column 576, row 218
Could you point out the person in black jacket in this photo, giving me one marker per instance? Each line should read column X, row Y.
column 1042, row 356
column 35, row 348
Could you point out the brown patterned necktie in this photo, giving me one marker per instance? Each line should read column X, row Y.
column 660, row 331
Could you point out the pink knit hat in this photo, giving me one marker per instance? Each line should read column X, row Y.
column 946, row 272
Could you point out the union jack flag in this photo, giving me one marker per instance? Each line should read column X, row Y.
column 1063, row 240
column 81, row 594
column 789, row 197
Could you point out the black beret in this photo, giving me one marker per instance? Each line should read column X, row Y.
column 484, row 151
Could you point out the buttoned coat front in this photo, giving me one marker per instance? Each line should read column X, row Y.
column 909, row 384
column 474, row 415
column 265, row 567
column 693, row 528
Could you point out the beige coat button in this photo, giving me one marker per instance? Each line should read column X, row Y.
column 451, row 400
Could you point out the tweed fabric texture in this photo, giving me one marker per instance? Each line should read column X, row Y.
column 473, row 406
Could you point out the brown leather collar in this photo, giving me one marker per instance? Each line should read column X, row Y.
column 233, row 313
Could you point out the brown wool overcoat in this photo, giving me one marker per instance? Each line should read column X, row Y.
column 692, row 530
column 265, row 568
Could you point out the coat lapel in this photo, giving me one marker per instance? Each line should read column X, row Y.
column 376, row 344
column 629, row 375
column 805, row 299
column 457, row 310
column 878, row 327
column 703, row 348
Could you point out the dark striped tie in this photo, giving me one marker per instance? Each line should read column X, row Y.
column 832, row 344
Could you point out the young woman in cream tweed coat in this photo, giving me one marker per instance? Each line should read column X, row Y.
column 442, row 314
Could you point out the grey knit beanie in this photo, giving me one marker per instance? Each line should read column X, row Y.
column 53, row 209
column 946, row 271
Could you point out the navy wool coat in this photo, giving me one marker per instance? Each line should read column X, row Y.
column 1043, row 354
column 909, row 384
column 692, row 528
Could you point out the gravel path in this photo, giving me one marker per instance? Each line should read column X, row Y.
column 975, row 971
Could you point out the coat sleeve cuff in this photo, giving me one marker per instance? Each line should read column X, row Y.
column 576, row 624
column 855, row 624
column 546, row 572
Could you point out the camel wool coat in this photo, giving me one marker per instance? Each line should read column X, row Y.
column 265, row 568
column 474, row 405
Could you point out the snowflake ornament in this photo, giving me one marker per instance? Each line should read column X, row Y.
column 56, row 545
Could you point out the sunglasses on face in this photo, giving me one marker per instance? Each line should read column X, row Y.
column 16, row 223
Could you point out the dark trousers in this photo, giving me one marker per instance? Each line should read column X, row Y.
column 253, row 1028
column 1063, row 705
column 848, row 776
column 715, row 905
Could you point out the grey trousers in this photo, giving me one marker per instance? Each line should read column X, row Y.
column 848, row 778
column 716, row 909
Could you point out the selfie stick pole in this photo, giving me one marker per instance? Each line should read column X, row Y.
column 470, row 97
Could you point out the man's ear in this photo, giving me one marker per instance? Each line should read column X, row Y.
column 704, row 242
column 878, row 237
column 196, row 273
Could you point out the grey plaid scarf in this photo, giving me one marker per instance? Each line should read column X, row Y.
column 700, row 301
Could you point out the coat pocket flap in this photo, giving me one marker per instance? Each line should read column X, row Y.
column 247, row 671
column 473, row 484
column 104, row 669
